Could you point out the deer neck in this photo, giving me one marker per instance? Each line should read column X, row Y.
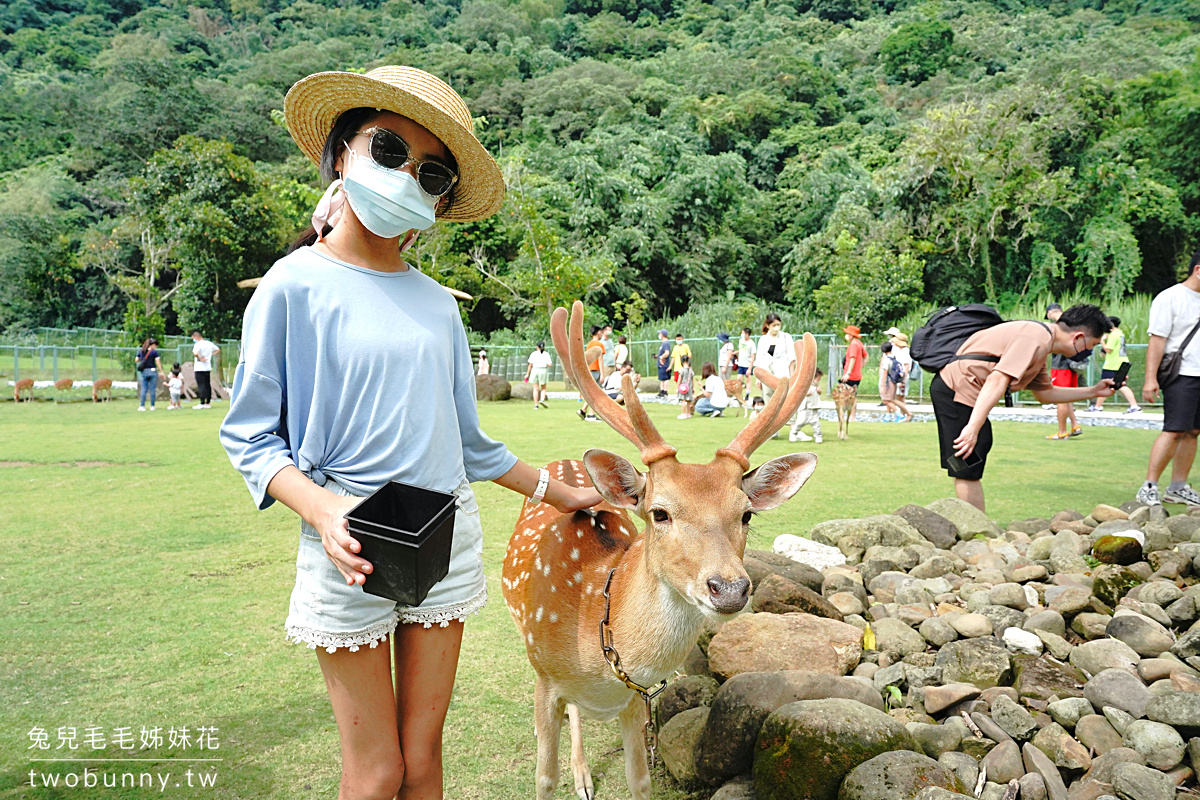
column 653, row 626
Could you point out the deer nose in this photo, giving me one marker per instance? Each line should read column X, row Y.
column 728, row 597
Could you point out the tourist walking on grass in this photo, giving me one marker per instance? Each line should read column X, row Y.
column 1064, row 373
column 966, row 390
column 622, row 351
column 725, row 356
column 1173, row 365
column 663, row 361
column 853, row 363
column 485, row 366
column 893, row 379
column 538, row 373
column 685, row 389
column 204, row 354
column 807, row 414
column 149, row 366
column 329, row 405
column 1112, row 347
column 745, row 359
column 680, row 351
column 903, row 356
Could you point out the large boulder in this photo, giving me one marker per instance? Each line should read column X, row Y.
column 897, row 776
column 969, row 520
column 690, row 691
column 1123, row 550
column 983, row 662
column 492, row 387
column 806, row 749
column 806, row 551
column 745, row 701
column 884, row 529
column 1111, row 582
column 521, row 391
column 772, row 642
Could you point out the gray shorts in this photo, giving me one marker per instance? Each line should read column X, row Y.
column 326, row 612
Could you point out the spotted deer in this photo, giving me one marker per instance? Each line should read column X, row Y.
column 606, row 612
column 102, row 385
column 23, row 387
column 844, row 398
column 64, row 384
column 735, row 390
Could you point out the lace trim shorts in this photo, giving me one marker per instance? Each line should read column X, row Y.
column 326, row 612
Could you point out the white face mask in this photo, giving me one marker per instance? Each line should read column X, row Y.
column 388, row 202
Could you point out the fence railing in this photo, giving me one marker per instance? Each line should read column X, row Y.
column 92, row 362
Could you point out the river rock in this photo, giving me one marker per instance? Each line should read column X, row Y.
column 691, row 691
column 1096, row 733
column 1037, row 761
column 1004, row 763
column 969, row 520
column 772, row 642
column 935, row 739
column 1123, row 550
column 1095, row 657
column 805, row 551
column 745, row 701
column 937, row 631
column 1161, row 593
column 1039, row 678
column 970, row 626
column 678, row 741
column 1111, row 582
column 1047, row 620
column 941, row 532
column 982, row 662
column 492, row 388
column 900, row 774
column 1013, row 719
column 1178, row 708
column 1062, row 749
column 939, row 698
column 1145, row 636
column 1135, row 782
column 1069, row 711
column 1161, row 745
column 776, row 594
column 893, row 635
column 807, row 748
column 1116, row 688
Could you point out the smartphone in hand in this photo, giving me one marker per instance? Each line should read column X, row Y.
column 957, row 464
column 1121, row 376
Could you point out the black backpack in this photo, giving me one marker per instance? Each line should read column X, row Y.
column 935, row 344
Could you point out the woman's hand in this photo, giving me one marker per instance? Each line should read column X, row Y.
column 964, row 445
column 568, row 499
column 329, row 520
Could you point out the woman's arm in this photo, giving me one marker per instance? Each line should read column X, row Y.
column 523, row 479
column 325, row 512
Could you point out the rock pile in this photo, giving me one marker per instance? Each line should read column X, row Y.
column 929, row 654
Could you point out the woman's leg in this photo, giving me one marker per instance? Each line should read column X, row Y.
column 364, row 705
column 426, row 661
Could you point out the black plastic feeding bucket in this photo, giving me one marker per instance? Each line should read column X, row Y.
column 405, row 532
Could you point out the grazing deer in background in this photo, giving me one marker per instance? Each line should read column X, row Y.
column 570, row 579
column 64, row 384
column 844, row 397
column 23, row 386
column 102, row 385
column 736, row 390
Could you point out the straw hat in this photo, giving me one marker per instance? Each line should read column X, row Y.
column 900, row 339
column 314, row 103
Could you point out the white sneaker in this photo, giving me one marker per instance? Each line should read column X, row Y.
column 1094, row 407
column 198, row 405
column 1149, row 495
column 816, row 440
column 799, row 436
column 141, row 408
column 1048, row 406
column 151, row 408
column 1133, row 410
column 682, row 416
column 1185, row 495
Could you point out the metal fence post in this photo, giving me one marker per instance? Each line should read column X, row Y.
column 95, row 373
column 54, row 361
column 16, row 363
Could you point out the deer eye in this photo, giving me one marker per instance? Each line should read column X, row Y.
column 746, row 517
column 659, row 515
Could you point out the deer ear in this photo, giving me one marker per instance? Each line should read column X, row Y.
column 774, row 483
column 615, row 478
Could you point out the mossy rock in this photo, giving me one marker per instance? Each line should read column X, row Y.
column 1122, row 550
column 805, row 749
column 1111, row 582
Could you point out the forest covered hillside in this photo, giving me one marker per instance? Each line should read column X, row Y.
column 848, row 158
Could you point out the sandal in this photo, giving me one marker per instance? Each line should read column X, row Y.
column 1059, row 436
column 1077, row 430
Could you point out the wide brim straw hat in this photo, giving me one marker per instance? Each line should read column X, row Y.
column 314, row 103
column 900, row 339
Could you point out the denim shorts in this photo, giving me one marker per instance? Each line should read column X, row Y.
column 326, row 612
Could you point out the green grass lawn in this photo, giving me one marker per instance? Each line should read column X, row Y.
column 143, row 589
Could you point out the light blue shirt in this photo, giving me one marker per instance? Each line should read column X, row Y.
column 356, row 375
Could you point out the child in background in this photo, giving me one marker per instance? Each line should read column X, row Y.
column 756, row 407
column 175, row 386
column 485, row 366
column 686, row 378
column 807, row 414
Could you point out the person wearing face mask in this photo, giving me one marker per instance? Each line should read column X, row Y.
column 1064, row 372
column 538, row 373
column 355, row 371
column 1007, row 357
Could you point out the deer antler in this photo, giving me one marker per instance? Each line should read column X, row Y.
column 634, row 426
column 780, row 408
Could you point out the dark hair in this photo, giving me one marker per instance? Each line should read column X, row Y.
column 685, row 359
column 817, row 372
column 747, row 331
column 620, row 340
column 679, row 336
column 886, row 347
column 771, row 317
column 1087, row 318
column 176, row 369
column 1115, row 321
column 628, row 364
column 758, row 400
column 542, row 344
column 344, row 128
column 707, row 370
column 196, row 332
column 1195, row 261
column 596, row 329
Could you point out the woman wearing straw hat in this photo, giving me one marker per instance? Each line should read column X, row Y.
column 344, row 346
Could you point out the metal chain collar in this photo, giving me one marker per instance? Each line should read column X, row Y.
column 650, row 731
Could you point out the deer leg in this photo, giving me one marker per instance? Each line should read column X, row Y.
column 579, row 765
column 633, row 726
column 547, row 715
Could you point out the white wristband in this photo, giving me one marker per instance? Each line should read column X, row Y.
column 543, row 483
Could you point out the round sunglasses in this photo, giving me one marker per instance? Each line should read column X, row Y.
column 389, row 150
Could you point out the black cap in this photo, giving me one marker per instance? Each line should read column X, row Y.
column 1052, row 307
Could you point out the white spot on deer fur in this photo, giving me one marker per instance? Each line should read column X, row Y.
column 579, row 532
column 574, row 553
column 529, row 638
column 537, row 562
column 537, row 617
column 553, row 616
column 579, row 576
column 546, row 570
